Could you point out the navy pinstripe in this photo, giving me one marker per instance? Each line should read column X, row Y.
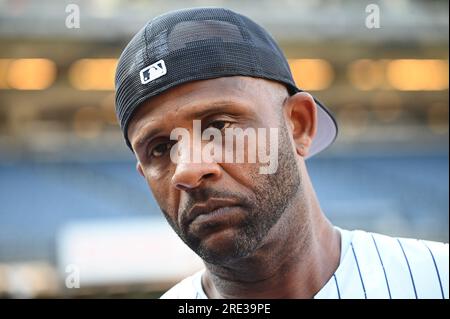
column 384, row 270
column 359, row 271
column 437, row 270
column 409, row 268
column 337, row 286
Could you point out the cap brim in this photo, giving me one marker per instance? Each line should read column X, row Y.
column 327, row 130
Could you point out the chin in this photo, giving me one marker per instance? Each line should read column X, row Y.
column 223, row 247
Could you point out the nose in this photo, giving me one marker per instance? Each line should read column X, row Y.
column 191, row 172
column 188, row 176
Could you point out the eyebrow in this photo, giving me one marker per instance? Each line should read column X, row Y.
column 213, row 108
column 146, row 136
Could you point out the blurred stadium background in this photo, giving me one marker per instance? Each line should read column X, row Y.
column 70, row 199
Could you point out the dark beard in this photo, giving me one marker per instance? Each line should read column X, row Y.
column 272, row 195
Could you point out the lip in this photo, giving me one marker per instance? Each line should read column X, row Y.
column 210, row 207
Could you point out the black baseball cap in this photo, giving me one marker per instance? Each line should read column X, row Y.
column 199, row 44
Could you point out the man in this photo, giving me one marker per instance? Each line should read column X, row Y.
column 260, row 235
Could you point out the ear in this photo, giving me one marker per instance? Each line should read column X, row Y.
column 301, row 112
column 139, row 169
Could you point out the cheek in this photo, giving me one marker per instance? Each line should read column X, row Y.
column 155, row 174
column 245, row 174
column 160, row 185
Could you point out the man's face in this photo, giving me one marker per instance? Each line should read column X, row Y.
column 222, row 211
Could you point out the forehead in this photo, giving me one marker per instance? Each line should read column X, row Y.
column 195, row 96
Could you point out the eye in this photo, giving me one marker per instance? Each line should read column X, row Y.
column 160, row 149
column 220, row 125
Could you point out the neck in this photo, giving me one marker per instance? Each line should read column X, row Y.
column 296, row 264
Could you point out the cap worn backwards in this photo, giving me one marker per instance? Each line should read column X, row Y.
column 199, row 44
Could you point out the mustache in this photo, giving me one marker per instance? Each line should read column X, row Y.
column 202, row 195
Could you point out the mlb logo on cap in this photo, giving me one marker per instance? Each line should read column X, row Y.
column 152, row 72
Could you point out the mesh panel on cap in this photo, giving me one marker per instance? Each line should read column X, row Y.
column 189, row 33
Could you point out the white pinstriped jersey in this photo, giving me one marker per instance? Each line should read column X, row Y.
column 371, row 266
